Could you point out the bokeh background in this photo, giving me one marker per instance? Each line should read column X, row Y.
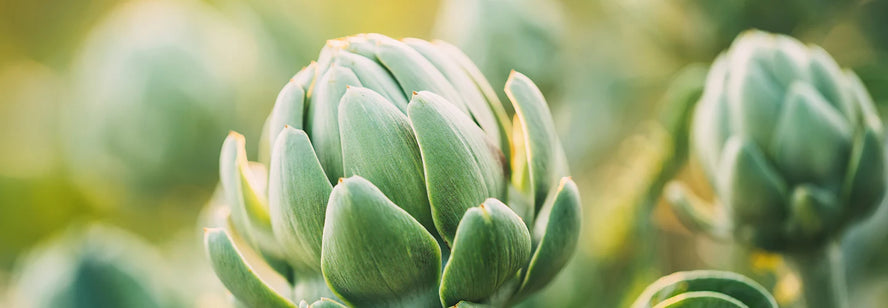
column 112, row 113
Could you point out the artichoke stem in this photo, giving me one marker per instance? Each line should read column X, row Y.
column 822, row 276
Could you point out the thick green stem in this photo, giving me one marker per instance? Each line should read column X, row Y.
column 823, row 276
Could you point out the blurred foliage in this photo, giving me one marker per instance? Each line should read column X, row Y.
column 115, row 110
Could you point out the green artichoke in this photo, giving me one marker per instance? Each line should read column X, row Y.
column 147, row 97
column 705, row 288
column 93, row 266
column 791, row 143
column 395, row 178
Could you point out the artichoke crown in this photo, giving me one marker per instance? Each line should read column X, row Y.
column 395, row 178
column 790, row 141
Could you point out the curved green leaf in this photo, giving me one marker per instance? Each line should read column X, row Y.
column 237, row 276
column 694, row 213
column 812, row 140
column 244, row 191
column 733, row 285
column 701, row 299
column 865, row 180
column 465, row 86
column 415, row 73
column 374, row 253
column 484, row 86
column 555, row 235
column 541, row 141
column 298, row 192
column 491, row 245
column 378, row 144
column 323, row 117
column 375, row 77
column 462, row 168
column 753, row 191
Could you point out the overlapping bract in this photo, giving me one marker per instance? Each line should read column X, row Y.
column 395, row 178
column 791, row 143
column 705, row 288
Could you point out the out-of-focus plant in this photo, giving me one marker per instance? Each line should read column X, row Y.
column 35, row 197
column 705, row 288
column 91, row 266
column 504, row 35
column 154, row 82
column 429, row 158
column 794, row 150
column 625, row 192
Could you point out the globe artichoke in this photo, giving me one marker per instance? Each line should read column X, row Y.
column 791, row 143
column 793, row 148
column 395, row 178
column 91, row 266
column 705, row 288
column 143, row 94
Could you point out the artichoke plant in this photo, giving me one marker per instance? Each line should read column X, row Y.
column 705, row 288
column 794, row 150
column 392, row 176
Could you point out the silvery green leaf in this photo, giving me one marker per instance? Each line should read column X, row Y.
column 712, row 121
column 249, row 208
column 540, row 139
column 555, row 236
column 865, row 182
column 462, row 168
column 238, row 276
column 298, row 192
column 490, row 246
column 311, row 287
column 754, row 93
column 415, row 73
column 704, row 283
column 374, row 253
column 812, row 140
column 375, row 77
column 478, row 107
column 289, row 107
column 752, row 189
column 694, row 213
column 323, row 119
column 378, row 144
column 828, row 79
column 867, row 112
column 492, row 99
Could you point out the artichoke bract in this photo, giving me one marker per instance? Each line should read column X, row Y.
column 791, row 143
column 705, row 288
column 390, row 175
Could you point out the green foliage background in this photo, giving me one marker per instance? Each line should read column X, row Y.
column 619, row 78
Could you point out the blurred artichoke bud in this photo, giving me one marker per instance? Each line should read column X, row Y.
column 505, row 35
column 153, row 80
column 95, row 266
column 791, row 143
column 705, row 288
column 396, row 179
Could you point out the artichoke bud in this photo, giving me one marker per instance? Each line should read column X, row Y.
column 791, row 142
column 396, row 174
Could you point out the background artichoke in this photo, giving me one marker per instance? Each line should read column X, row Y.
column 92, row 266
column 421, row 140
column 794, row 149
